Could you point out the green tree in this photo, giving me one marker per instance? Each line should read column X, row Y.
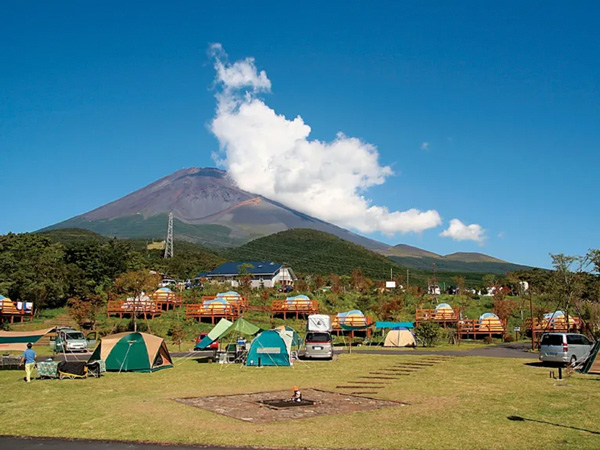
column 134, row 284
column 428, row 333
column 32, row 269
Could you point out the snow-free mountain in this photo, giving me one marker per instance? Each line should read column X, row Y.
column 209, row 209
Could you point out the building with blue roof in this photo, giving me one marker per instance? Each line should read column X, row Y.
column 264, row 273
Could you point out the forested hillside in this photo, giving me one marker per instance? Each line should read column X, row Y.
column 310, row 251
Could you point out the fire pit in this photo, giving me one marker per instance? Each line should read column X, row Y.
column 286, row 403
column 265, row 407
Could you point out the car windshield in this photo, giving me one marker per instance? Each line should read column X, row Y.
column 318, row 337
column 75, row 335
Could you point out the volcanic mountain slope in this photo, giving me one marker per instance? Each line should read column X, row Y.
column 207, row 208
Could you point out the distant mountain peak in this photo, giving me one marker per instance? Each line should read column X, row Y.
column 207, row 207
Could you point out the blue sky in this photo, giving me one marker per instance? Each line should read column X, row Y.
column 486, row 113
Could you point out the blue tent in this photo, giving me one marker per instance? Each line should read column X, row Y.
column 271, row 348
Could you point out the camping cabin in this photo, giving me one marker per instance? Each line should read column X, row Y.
column 263, row 274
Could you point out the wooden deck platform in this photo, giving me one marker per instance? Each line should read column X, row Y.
column 9, row 312
column 167, row 300
column 125, row 308
column 442, row 316
column 558, row 325
column 199, row 311
column 474, row 328
column 238, row 302
column 352, row 322
column 295, row 309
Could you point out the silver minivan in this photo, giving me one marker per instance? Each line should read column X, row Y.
column 318, row 345
column 564, row 348
column 70, row 340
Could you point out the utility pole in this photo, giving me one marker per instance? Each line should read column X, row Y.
column 169, row 241
column 532, row 324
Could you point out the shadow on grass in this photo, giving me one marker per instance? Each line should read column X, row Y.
column 524, row 419
column 545, row 364
column 204, row 359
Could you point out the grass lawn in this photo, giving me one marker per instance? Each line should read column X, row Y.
column 462, row 403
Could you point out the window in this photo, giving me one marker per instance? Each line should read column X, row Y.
column 318, row 337
column 577, row 339
column 552, row 339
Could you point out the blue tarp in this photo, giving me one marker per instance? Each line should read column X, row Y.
column 381, row 325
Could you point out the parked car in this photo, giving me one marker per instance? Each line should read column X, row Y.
column 213, row 345
column 564, row 348
column 318, row 345
column 167, row 282
column 71, row 340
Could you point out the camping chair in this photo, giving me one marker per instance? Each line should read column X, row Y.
column 231, row 353
column 96, row 368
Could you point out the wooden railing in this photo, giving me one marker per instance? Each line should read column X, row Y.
column 295, row 308
column 8, row 310
column 123, row 308
column 167, row 300
column 481, row 327
column 433, row 315
column 353, row 321
column 558, row 324
column 199, row 311
column 240, row 302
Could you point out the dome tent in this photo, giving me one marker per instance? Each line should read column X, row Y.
column 400, row 337
column 558, row 319
column 299, row 301
column 443, row 311
column 271, row 348
column 133, row 352
column 352, row 318
column 490, row 322
column 217, row 304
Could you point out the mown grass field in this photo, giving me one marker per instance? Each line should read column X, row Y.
column 462, row 403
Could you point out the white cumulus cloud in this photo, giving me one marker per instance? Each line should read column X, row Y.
column 271, row 155
column 461, row 232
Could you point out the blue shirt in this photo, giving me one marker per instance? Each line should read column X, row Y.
column 29, row 356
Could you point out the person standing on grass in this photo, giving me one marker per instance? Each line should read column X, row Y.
column 29, row 360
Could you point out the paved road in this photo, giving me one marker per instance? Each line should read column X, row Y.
column 517, row 350
column 11, row 443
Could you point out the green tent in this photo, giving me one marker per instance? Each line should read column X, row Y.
column 241, row 326
column 271, row 348
column 133, row 352
column 592, row 363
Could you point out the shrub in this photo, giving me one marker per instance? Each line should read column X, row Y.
column 428, row 333
column 488, row 340
column 509, row 338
